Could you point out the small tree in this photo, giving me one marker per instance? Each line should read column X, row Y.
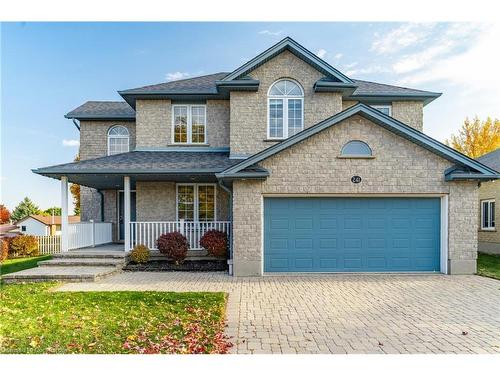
column 56, row 211
column 75, row 192
column 4, row 214
column 476, row 137
column 25, row 208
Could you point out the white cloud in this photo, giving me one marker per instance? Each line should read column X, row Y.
column 401, row 37
column 71, row 142
column 338, row 56
column 174, row 76
column 474, row 65
column 368, row 70
column 321, row 53
column 269, row 32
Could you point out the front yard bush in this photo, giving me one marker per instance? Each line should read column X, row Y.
column 24, row 246
column 140, row 254
column 174, row 245
column 215, row 242
column 4, row 249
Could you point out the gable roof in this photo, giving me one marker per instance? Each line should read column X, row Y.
column 389, row 123
column 299, row 51
column 51, row 220
column 491, row 159
column 109, row 110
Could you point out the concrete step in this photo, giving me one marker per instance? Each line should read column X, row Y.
column 90, row 254
column 82, row 262
column 67, row 274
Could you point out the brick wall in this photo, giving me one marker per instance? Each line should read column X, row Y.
column 249, row 109
column 94, row 137
column 312, row 167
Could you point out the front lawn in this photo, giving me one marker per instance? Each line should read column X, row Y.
column 19, row 264
column 488, row 265
column 34, row 319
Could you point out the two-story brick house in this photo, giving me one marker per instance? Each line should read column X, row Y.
column 308, row 169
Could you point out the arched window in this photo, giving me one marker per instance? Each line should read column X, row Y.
column 118, row 140
column 285, row 109
column 356, row 149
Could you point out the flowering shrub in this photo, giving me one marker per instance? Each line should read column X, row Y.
column 24, row 246
column 215, row 242
column 4, row 249
column 174, row 245
column 140, row 254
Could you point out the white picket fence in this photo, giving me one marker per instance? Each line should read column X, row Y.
column 83, row 234
column 49, row 244
column 147, row 232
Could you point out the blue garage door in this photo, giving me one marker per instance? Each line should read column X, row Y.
column 351, row 234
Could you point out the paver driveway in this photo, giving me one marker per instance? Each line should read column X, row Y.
column 342, row 313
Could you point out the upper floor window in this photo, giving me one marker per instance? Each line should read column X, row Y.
column 488, row 214
column 285, row 109
column 356, row 149
column 189, row 123
column 118, row 140
column 385, row 109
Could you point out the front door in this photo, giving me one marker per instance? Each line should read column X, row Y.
column 121, row 206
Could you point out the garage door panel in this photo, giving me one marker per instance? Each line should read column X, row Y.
column 351, row 234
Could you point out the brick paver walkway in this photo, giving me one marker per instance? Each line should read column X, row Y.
column 342, row 313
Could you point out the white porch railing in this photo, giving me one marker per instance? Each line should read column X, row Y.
column 147, row 232
column 49, row 244
column 86, row 234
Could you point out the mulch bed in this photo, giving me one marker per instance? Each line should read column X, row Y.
column 188, row 265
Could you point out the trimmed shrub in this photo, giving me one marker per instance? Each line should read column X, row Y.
column 215, row 242
column 174, row 245
column 4, row 249
column 140, row 254
column 24, row 246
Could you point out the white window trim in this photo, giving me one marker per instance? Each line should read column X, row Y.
column 285, row 108
column 196, row 217
column 189, row 124
column 382, row 106
column 489, row 201
column 118, row 137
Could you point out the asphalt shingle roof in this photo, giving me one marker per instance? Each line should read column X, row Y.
column 102, row 109
column 491, row 159
column 374, row 88
column 195, row 85
column 148, row 162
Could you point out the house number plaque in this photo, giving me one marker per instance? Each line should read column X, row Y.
column 355, row 179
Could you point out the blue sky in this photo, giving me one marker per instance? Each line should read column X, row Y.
column 48, row 69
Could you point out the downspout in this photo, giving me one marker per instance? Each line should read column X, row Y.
column 230, row 214
column 102, row 204
column 76, row 124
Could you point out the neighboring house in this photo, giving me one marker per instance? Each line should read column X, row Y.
column 312, row 170
column 8, row 231
column 489, row 217
column 40, row 225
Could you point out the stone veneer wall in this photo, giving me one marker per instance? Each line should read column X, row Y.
column 410, row 112
column 249, row 109
column 312, row 167
column 156, row 201
column 94, row 144
column 154, row 123
column 94, row 137
column 489, row 241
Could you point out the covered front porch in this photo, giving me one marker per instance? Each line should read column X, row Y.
column 142, row 200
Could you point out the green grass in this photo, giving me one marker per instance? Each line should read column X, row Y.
column 488, row 265
column 19, row 264
column 35, row 319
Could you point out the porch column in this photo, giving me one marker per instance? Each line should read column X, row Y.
column 64, row 214
column 126, row 213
